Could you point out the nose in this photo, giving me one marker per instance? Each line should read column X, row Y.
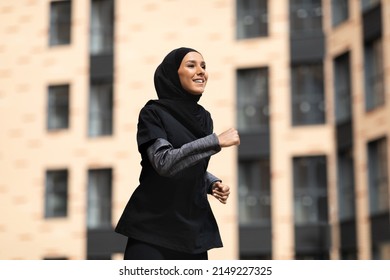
column 200, row 70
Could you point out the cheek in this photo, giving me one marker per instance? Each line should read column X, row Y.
column 185, row 81
column 182, row 78
column 184, row 75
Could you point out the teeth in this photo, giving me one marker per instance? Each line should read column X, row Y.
column 198, row 81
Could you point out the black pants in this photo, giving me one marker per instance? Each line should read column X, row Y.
column 137, row 250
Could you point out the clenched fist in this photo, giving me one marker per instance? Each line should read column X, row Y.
column 221, row 192
column 229, row 138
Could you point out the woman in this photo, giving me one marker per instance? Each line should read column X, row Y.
column 168, row 216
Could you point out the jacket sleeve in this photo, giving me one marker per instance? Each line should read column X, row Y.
column 168, row 161
column 210, row 179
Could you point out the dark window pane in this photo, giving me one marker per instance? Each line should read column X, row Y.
column 305, row 17
column 99, row 198
column 308, row 94
column 102, row 27
column 346, row 185
column 58, row 107
column 374, row 71
column 252, row 99
column 252, row 18
column 254, row 192
column 340, row 11
column 310, row 190
column 369, row 4
column 378, row 176
column 56, row 196
column 342, row 84
column 100, row 109
column 60, row 23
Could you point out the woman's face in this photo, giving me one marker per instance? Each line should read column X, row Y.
column 192, row 73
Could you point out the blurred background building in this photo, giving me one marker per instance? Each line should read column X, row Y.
column 306, row 82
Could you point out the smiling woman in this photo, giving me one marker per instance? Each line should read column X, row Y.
column 169, row 216
column 192, row 73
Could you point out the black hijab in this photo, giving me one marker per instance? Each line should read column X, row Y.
column 174, row 99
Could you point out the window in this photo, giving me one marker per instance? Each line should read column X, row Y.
column 342, row 84
column 368, row 4
column 340, row 11
column 56, row 195
column 102, row 29
column 254, row 192
column 305, row 17
column 252, row 99
column 346, row 185
column 374, row 84
column 58, row 107
column 100, row 109
column 99, row 198
column 252, row 18
column 378, row 176
column 308, row 94
column 60, row 23
column 310, row 190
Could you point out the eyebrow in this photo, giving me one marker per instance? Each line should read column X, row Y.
column 194, row 61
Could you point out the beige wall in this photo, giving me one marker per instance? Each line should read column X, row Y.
column 368, row 126
column 145, row 31
column 27, row 149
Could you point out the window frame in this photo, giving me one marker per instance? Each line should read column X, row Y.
column 55, row 190
column 256, row 101
column 346, row 185
column 342, row 88
column 340, row 12
column 101, row 27
column 301, row 9
column 306, row 95
column 378, row 176
column 374, row 83
column 58, row 103
column 314, row 191
column 99, row 198
column 245, row 16
column 101, row 108
column 257, row 193
column 60, row 21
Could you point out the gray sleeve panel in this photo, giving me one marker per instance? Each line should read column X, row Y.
column 210, row 179
column 168, row 161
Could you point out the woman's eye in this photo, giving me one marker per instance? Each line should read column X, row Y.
column 193, row 66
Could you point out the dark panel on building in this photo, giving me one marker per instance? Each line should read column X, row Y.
column 254, row 145
column 312, row 238
column 307, row 49
column 380, row 235
column 348, row 235
column 255, row 240
column 344, row 135
column 102, row 66
column 372, row 23
column 380, row 228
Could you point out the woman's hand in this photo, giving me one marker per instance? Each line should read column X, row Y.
column 221, row 192
column 229, row 138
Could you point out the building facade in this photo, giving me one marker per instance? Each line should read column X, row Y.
column 306, row 83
